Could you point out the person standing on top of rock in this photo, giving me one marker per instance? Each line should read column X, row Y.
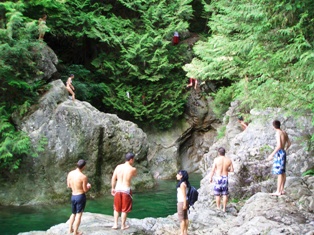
column 121, row 190
column 70, row 87
column 279, row 156
column 182, row 205
column 222, row 166
column 78, row 182
column 175, row 38
column 42, row 27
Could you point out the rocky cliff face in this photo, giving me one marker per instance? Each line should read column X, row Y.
column 249, row 149
column 183, row 146
column 73, row 130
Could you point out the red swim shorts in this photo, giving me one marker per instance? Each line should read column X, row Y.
column 122, row 201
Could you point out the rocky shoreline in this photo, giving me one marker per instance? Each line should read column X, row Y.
column 262, row 213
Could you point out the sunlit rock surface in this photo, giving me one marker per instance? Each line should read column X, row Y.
column 73, row 130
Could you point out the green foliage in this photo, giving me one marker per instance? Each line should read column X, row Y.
column 12, row 144
column 133, row 53
column 222, row 100
column 264, row 49
column 221, row 132
column 118, row 47
column 308, row 172
column 18, row 68
column 19, row 56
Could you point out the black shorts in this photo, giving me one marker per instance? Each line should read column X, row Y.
column 78, row 203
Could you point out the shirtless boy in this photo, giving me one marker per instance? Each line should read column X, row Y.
column 78, row 182
column 279, row 156
column 221, row 166
column 121, row 190
column 70, row 87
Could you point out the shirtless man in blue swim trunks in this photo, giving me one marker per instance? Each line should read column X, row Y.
column 78, row 182
column 222, row 166
column 279, row 156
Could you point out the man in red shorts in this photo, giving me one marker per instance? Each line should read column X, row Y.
column 121, row 190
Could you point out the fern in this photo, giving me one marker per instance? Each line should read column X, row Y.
column 261, row 50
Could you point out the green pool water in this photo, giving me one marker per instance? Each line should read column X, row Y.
column 158, row 202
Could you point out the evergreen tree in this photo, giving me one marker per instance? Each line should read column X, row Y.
column 126, row 45
column 264, row 48
column 18, row 50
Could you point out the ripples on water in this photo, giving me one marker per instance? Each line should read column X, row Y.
column 159, row 202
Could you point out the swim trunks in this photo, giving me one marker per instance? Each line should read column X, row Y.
column 123, row 201
column 221, row 185
column 182, row 214
column 279, row 166
column 78, row 203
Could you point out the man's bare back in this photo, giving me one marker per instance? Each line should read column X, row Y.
column 222, row 166
column 120, row 189
column 77, row 181
column 123, row 174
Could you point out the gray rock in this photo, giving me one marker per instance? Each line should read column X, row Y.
column 260, row 214
column 74, row 130
column 249, row 149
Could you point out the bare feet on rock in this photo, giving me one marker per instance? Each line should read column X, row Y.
column 125, row 227
column 275, row 194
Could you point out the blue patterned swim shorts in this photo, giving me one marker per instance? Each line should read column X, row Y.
column 221, row 186
column 279, row 166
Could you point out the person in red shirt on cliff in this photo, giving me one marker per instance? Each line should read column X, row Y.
column 175, row 39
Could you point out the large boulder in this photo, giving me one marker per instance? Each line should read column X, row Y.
column 73, row 130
